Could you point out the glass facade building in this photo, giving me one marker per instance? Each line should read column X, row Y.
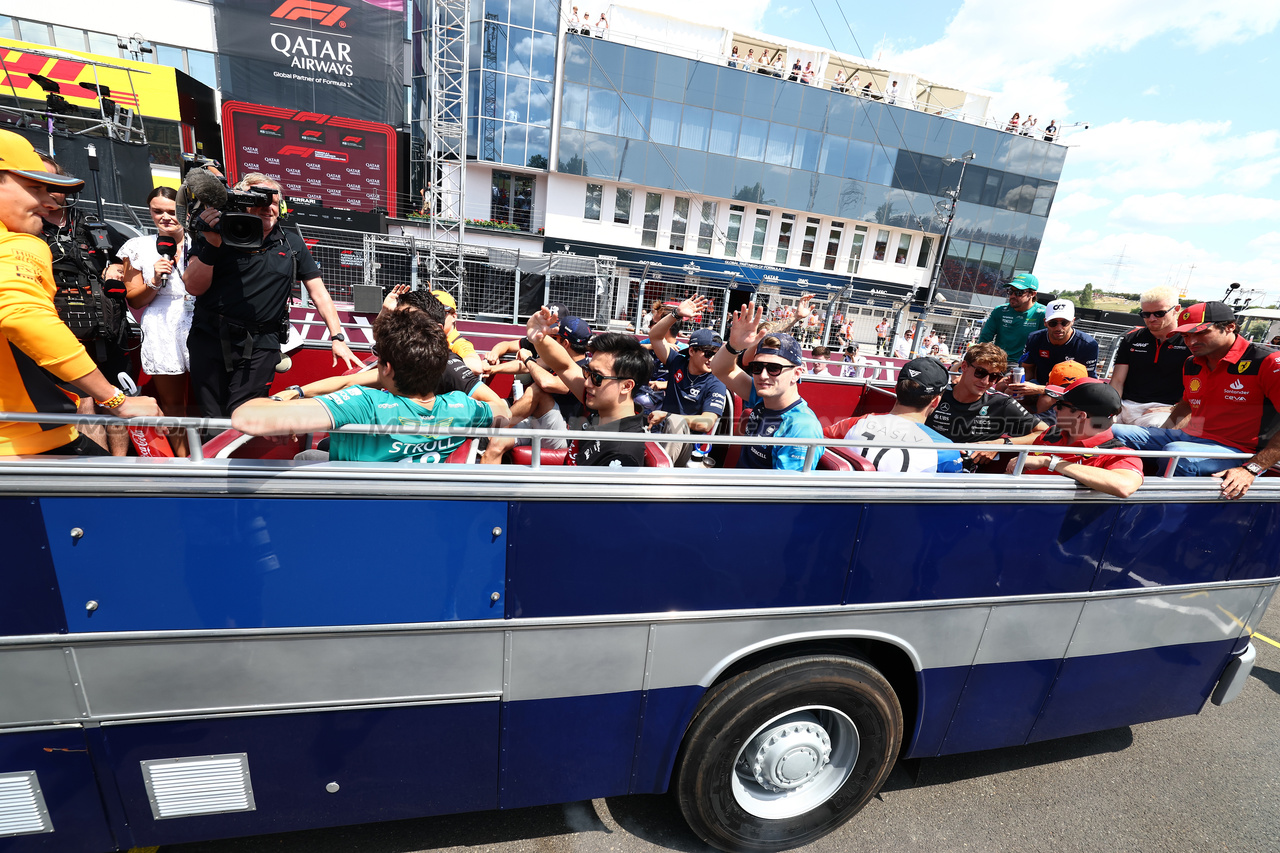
column 634, row 115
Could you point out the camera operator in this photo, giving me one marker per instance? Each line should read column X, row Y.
column 242, row 303
column 90, row 296
column 37, row 350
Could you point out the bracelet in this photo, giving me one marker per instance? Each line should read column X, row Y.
column 731, row 350
column 297, row 388
column 113, row 402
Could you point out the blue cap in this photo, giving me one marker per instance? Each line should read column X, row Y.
column 705, row 338
column 788, row 348
column 576, row 330
column 1024, row 281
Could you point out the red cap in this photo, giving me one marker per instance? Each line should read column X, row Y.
column 1202, row 315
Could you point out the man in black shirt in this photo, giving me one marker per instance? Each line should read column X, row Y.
column 242, row 301
column 1148, row 370
column 971, row 412
column 618, row 365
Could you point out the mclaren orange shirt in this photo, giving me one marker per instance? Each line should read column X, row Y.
column 460, row 346
column 36, row 348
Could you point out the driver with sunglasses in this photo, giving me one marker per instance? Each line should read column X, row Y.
column 972, row 411
column 1009, row 326
column 1148, row 370
column 1057, row 342
column 770, row 385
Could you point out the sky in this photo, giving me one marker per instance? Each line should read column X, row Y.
column 1177, row 178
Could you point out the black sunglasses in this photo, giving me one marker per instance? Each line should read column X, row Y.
column 1149, row 314
column 983, row 373
column 755, row 368
column 374, row 349
column 707, row 351
column 1059, row 322
column 595, row 377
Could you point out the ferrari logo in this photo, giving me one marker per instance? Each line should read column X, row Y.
column 1243, row 366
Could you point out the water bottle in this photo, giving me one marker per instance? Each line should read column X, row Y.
column 699, row 454
column 1017, row 374
column 517, row 390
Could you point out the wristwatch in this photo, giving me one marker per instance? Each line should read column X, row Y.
column 1253, row 468
column 338, row 337
column 1054, row 462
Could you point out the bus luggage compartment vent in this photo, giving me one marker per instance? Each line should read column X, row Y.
column 22, row 808
column 205, row 784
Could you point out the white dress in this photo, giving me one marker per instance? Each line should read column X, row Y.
column 166, row 320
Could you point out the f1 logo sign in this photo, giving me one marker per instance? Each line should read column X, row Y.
column 299, row 150
column 325, row 14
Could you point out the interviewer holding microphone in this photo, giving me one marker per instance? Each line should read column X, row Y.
column 153, row 283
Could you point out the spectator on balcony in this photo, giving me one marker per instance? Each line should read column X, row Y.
column 749, row 63
column 794, row 76
column 733, row 57
column 867, row 93
column 1029, row 125
column 574, row 21
column 891, row 96
column 837, row 85
column 1051, row 132
column 1014, row 121
column 779, row 64
column 602, row 27
column 807, row 77
column 851, row 85
column 585, row 29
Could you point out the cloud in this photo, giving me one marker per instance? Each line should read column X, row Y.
column 740, row 14
column 1179, row 209
column 1075, row 203
column 786, row 11
column 1151, row 90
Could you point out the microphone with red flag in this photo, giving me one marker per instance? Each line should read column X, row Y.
column 167, row 247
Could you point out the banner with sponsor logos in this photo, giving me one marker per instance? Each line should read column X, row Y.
column 145, row 88
column 340, row 58
column 335, row 161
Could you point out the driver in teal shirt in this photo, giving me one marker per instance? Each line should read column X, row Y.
column 1010, row 325
column 412, row 351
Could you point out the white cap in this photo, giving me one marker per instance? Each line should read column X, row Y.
column 1060, row 308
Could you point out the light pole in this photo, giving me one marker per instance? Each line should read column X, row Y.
column 954, row 194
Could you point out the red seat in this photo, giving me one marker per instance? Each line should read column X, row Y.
column 654, row 455
column 855, row 461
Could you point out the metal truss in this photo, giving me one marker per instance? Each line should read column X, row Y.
column 447, row 143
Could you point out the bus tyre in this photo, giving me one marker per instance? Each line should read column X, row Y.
column 779, row 756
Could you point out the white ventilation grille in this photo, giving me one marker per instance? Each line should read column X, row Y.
column 207, row 784
column 22, row 809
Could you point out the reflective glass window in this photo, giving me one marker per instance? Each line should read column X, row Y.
column 784, row 238
column 1044, row 198
column 606, row 69
column 540, row 98
column 669, row 77
column 984, row 146
column 639, row 71
column 513, row 140
column 602, row 111
column 695, row 127
column 664, row 126
column 577, row 61
column 904, row 249
column 759, row 232
column 881, row 171
column 782, row 139
column 809, row 242
column 855, row 248
column 938, row 136
column 520, row 52
column 961, row 139
column 930, row 178
column 881, row 248
column 858, row 161
column 601, row 155
column 724, row 134
column 840, row 114
column 813, row 109
column 700, row 90
column 659, row 165
column 573, row 106
column 734, row 231
column 786, row 103
column 853, row 197
column 759, row 100
column 1053, row 160
column 748, row 181
column 622, row 206
column 775, row 183
column 547, row 16
column 707, row 227
column 1001, row 229
column 491, row 140
column 473, row 56
column 570, row 153
column 691, row 170
column 633, row 121
column 801, row 188
column 1035, row 232
column 864, row 122
column 516, row 107
column 823, row 193
column 831, row 161
column 34, row 32
column 496, row 9
column 106, row 45
column 752, row 140
column 808, row 148
column 200, row 65
column 913, row 127
column 544, row 56
column 679, row 223
column 493, row 53
column 730, row 90
column 652, row 215
column 73, row 39
column 538, row 153
column 991, row 190
column 521, row 13
column 631, row 160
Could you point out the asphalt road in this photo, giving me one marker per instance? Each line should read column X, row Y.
column 1204, row 783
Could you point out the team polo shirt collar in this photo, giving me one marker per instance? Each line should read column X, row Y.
column 1060, row 440
column 1233, row 354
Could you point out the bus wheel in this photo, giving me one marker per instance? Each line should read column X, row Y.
column 780, row 756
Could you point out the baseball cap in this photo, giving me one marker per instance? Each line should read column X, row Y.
column 1198, row 317
column 788, row 348
column 1063, row 374
column 576, row 330
column 928, row 371
column 1024, row 281
column 1093, row 396
column 445, row 299
column 705, row 338
column 1060, row 309
column 17, row 155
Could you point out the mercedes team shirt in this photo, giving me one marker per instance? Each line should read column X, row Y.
column 1155, row 366
column 990, row 416
column 1237, row 402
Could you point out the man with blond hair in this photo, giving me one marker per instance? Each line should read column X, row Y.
column 1148, row 369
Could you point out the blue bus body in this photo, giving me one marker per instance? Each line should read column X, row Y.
column 300, row 647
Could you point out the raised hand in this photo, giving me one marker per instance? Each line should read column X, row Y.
column 803, row 310
column 541, row 324
column 692, row 307
column 742, row 328
column 393, row 298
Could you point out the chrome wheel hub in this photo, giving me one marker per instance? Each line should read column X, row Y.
column 795, row 762
column 787, row 756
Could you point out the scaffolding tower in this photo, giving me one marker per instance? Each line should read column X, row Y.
column 447, row 144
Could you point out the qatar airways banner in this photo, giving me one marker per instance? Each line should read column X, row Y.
column 341, row 58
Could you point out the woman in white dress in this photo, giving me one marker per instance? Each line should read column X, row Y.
column 153, row 284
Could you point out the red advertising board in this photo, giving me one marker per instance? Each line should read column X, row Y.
column 339, row 162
